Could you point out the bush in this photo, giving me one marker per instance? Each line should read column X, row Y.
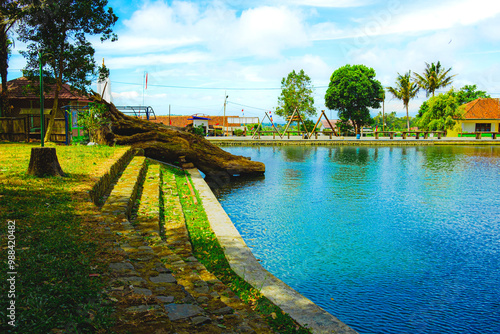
column 238, row 132
column 93, row 119
column 199, row 130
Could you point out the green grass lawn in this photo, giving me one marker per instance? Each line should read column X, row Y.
column 59, row 245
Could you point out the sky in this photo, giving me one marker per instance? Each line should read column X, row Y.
column 197, row 52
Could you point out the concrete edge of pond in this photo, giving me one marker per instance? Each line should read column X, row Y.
column 244, row 264
column 296, row 140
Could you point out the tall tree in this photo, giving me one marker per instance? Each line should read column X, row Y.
column 353, row 89
column 434, row 77
column 296, row 93
column 469, row 93
column 405, row 90
column 59, row 29
column 10, row 12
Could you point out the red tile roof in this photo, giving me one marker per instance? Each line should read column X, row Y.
column 20, row 89
column 183, row 121
column 482, row 109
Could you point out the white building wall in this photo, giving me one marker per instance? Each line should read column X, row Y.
column 468, row 127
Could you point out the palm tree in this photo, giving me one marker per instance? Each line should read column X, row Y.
column 433, row 78
column 405, row 90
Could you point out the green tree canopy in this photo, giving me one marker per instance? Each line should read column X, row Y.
column 58, row 30
column 434, row 77
column 465, row 95
column 296, row 93
column 441, row 112
column 353, row 89
column 393, row 122
column 469, row 93
column 10, row 13
column 405, row 90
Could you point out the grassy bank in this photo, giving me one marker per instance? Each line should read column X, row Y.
column 59, row 245
column 208, row 251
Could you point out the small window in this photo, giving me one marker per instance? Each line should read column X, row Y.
column 483, row 127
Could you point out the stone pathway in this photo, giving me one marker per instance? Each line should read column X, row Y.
column 160, row 287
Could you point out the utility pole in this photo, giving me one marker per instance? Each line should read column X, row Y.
column 383, row 113
column 224, row 123
column 42, row 118
column 169, row 121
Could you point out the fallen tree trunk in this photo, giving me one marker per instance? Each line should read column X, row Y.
column 168, row 143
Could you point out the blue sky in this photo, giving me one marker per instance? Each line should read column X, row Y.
column 195, row 51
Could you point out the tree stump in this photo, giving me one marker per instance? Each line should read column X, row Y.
column 43, row 162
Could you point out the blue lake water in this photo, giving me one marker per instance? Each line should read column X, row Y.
column 388, row 239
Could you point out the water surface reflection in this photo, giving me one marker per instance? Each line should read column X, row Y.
column 388, row 239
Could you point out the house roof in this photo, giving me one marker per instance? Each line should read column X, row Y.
column 197, row 118
column 482, row 109
column 183, row 121
column 333, row 122
column 20, row 89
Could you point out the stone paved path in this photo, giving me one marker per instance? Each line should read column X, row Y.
column 160, row 287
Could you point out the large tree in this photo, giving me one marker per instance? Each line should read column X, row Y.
column 469, row 93
column 10, row 12
column 434, row 77
column 441, row 112
column 58, row 29
column 404, row 90
column 465, row 95
column 296, row 93
column 353, row 89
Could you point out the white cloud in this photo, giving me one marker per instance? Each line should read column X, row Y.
column 415, row 17
column 265, row 31
column 332, row 3
column 153, row 60
column 159, row 27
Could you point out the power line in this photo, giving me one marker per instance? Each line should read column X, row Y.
column 247, row 106
column 200, row 88
column 208, row 88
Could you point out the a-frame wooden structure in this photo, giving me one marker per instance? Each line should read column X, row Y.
column 319, row 119
column 296, row 118
column 262, row 121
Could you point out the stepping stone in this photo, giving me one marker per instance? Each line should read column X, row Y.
column 200, row 320
column 163, row 278
column 143, row 308
column 123, row 268
column 142, row 291
column 165, row 299
column 134, row 280
column 182, row 311
column 224, row 310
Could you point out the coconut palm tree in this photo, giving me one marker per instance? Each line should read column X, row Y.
column 433, row 78
column 405, row 90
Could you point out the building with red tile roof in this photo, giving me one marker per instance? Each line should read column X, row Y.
column 214, row 122
column 480, row 115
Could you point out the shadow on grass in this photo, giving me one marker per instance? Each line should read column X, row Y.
column 54, row 256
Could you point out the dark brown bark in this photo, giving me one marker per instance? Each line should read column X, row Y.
column 168, row 143
column 44, row 162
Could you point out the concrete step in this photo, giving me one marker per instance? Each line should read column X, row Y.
column 160, row 284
